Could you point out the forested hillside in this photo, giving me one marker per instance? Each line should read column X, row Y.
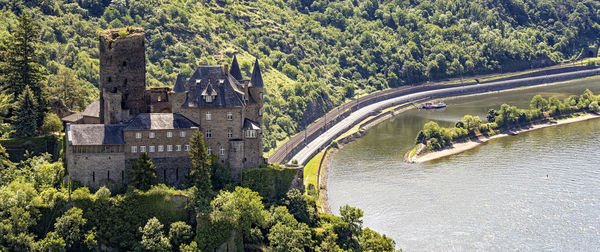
column 315, row 54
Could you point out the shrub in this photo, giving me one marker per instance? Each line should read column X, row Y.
column 51, row 124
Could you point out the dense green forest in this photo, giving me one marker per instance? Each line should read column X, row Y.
column 315, row 54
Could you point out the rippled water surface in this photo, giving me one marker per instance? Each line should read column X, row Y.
column 539, row 190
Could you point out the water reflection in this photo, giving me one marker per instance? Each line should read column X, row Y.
column 534, row 191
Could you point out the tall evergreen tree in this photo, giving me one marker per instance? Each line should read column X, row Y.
column 21, row 64
column 200, row 174
column 25, row 118
column 142, row 174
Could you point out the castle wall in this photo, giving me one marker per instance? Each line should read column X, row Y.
column 160, row 138
column 219, row 127
column 170, row 170
column 96, row 169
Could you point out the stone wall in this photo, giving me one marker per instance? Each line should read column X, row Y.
column 123, row 70
column 170, row 170
column 97, row 169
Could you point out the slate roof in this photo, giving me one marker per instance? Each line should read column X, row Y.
column 73, row 117
column 250, row 125
column 224, row 87
column 179, row 84
column 256, row 79
column 92, row 110
column 96, row 134
column 158, row 121
column 235, row 69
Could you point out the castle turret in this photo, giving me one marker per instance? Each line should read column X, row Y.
column 122, row 74
column 235, row 69
column 256, row 84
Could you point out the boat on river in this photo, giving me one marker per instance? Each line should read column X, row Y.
column 431, row 105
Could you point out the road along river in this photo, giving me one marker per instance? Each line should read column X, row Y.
column 534, row 191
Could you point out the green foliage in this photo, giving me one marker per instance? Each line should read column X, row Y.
column 334, row 144
column 241, row 209
column 53, row 242
column 26, row 117
column 142, row 174
column 284, row 237
column 301, row 206
column 538, row 102
column 117, row 219
column 269, row 182
column 70, row 226
column 51, row 124
column 76, row 94
column 22, row 69
column 153, row 238
column 180, row 233
column 201, row 169
column 507, row 116
column 370, row 240
column 315, row 54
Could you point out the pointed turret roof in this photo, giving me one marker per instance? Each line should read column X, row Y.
column 235, row 69
column 256, row 79
column 178, row 87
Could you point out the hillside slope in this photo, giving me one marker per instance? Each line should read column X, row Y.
column 316, row 54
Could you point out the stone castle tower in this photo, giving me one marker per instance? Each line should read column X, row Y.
column 122, row 75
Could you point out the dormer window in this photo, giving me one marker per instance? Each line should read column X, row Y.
column 250, row 133
column 208, row 98
column 198, row 82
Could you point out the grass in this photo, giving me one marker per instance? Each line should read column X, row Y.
column 311, row 169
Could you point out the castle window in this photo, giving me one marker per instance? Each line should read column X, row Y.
column 142, row 149
column 177, row 174
column 260, row 111
column 109, row 79
column 138, row 135
column 187, row 147
column 222, row 151
column 133, row 149
column 182, row 134
column 165, row 174
column 161, row 148
column 124, row 63
column 229, row 116
column 261, row 96
column 208, row 134
column 151, row 135
column 250, row 133
column 178, row 147
column 158, row 99
column 209, row 150
column 169, row 147
column 93, row 176
column 229, row 133
column 208, row 116
column 208, row 98
column 151, row 149
column 169, row 134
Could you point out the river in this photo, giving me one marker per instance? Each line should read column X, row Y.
column 539, row 190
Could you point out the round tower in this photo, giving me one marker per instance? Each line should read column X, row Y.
column 122, row 74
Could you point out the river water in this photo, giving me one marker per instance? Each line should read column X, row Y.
column 539, row 190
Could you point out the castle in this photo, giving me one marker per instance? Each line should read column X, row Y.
column 130, row 119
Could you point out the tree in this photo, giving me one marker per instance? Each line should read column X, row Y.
column 283, row 238
column 70, row 226
column 52, row 243
column 594, row 107
column 298, row 206
column 179, row 233
column 153, row 237
column 22, row 66
column 241, row 208
column 65, row 86
column 370, row 240
column 200, row 174
column 51, row 124
column 421, row 138
column 25, row 118
column 538, row 102
column 142, row 174
column 491, row 117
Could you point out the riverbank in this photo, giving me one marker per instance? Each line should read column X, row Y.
column 456, row 148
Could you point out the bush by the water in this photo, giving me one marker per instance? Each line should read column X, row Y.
column 436, row 137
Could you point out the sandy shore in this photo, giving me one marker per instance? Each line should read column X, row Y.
column 460, row 147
